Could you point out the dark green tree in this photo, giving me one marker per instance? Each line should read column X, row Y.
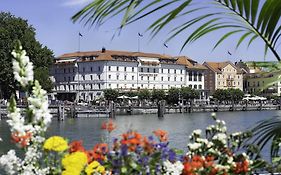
column 12, row 29
column 144, row 94
column 236, row 95
column 158, row 94
column 173, row 95
column 220, row 95
column 110, row 94
column 188, row 93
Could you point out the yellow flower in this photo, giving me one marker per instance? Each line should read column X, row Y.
column 94, row 167
column 71, row 172
column 55, row 143
column 74, row 162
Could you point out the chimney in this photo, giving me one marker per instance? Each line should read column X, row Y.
column 103, row 50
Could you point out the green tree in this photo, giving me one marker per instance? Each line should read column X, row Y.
column 110, row 94
column 220, row 95
column 236, row 95
column 12, row 29
column 188, row 93
column 158, row 94
column 42, row 75
column 144, row 94
column 173, row 95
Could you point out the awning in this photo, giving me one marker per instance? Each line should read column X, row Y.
column 66, row 61
column 149, row 60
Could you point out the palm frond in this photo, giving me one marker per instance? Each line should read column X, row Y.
column 255, row 18
column 265, row 131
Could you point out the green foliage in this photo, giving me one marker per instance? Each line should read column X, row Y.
column 42, row 75
column 158, row 94
column 144, row 94
column 231, row 94
column 11, row 29
column 173, row 95
column 188, row 93
column 251, row 19
column 110, row 94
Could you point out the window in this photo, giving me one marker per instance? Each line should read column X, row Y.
column 200, row 86
column 141, row 85
column 64, row 78
column 238, row 76
column 190, row 76
column 175, row 71
column 168, row 78
column 141, row 69
column 141, row 77
column 133, row 77
column 200, row 77
column 133, row 69
column 99, row 77
column 125, row 69
column 133, row 85
column 162, row 71
column 168, row 71
column 154, row 78
column 92, row 86
column 238, row 83
column 83, row 69
column 162, row 78
column 117, row 85
column 181, row 78
column 63, row 70
column 73, row 78
column 219, row 83
column 233, row 82
column 91, row 69
column 117, row 68
column 147, row 69
column 175, row 78
column 99, row 86
column 195, row 86
column 195, row 76
column 68, row 78
column 219, row 76
column 99, row 69
column 109, row 68
column 69, row 70
column 125, row 77
column 109, row 76
column 109, row 85
column 181, row 71
column 117, row 77
column 154, row 70
column 91, row 77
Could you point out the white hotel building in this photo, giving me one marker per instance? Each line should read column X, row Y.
column 84, row 75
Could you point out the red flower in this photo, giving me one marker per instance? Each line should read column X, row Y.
column 109, row 126
column 23, row 140
column 161, row 134
column 76, row 146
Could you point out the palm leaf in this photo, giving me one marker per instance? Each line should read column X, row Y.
column 260, row 20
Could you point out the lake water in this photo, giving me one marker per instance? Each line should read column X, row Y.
column 179, row 126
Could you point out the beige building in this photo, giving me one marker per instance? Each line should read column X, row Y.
column 222, row 75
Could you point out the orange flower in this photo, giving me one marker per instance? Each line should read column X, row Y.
column 109, row 126
column 242, row 167
column 98, row 153
column 161, row 134
column 147, row 145
column 132, row 139
column 23, row 140
column 76, row 146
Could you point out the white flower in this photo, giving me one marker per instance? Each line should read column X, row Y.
column 194, row 146
column 197, row 132
column 10, row 162
column 23, row 68
column 221, row 137
column 172, row 168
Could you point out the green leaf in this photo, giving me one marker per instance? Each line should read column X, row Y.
column 243, row 37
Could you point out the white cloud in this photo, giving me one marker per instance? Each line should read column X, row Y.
column 76, row 2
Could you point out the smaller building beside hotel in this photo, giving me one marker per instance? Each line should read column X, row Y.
column 222, row 75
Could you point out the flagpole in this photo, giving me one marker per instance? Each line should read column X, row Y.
column 138, row 43
column 79, row 42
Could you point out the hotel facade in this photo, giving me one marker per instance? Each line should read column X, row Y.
column 84, row 75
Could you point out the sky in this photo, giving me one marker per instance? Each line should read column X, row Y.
column 54, row 29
